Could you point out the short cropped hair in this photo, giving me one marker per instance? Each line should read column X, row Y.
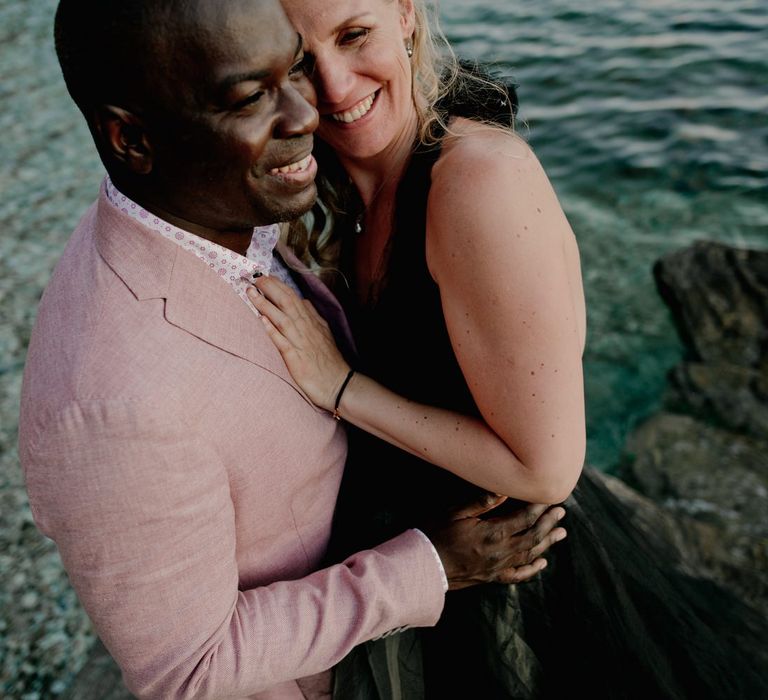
column 102, row 44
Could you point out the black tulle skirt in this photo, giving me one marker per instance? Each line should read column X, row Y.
column 612, row 616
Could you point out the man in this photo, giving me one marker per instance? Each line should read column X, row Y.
column 185, row 478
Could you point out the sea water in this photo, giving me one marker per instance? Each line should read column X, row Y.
column 651, row 118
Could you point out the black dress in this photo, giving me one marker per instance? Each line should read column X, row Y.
column 609, row 617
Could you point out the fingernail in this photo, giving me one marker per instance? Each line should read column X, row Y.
column 561, row 514
column 561, row 536
column 544, row 565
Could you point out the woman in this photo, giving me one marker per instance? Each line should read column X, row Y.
column 468, row 312
column 535, row 326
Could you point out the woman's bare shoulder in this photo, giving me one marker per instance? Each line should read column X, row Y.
column 486, row 174
column 480, row 163
column 472, row 144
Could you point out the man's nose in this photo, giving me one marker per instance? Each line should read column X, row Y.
column 299, row 116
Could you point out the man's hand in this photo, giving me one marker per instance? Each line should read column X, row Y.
column 504, row 549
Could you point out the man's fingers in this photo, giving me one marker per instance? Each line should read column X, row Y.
column 519, row 574
column 506, row 549
column 486, row 502
column 545, row 542
column 522, row 548
column 547, row 522
column 522, row 519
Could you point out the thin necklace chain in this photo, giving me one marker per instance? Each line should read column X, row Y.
column 359, row 220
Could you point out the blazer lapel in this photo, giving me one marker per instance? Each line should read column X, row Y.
column 206, row 306
column 196, row 300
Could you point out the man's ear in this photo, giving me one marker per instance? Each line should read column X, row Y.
column 125, row 138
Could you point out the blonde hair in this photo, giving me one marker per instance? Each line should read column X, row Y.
column 437, row 73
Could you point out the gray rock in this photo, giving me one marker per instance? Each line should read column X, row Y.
column 728, row 395
column 710, row 466
column 699, row 549
column 718, row 297
column 718, row 479
column 679, row 460
column 696, row 548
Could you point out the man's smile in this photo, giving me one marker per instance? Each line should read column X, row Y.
column 296, row 166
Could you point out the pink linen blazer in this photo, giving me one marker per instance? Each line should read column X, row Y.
column 188, row 482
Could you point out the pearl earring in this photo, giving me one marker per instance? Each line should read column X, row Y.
column 409, row 47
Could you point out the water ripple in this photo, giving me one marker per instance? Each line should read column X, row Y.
column 651, row 121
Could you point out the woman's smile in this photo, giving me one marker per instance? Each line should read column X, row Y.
column 362, row 74
column 357, row 112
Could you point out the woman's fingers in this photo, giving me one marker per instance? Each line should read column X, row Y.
column 280, row 320
column 281, row 295
column 282, row 344
column 309, row 307
column 303, row 339
column 292, row 316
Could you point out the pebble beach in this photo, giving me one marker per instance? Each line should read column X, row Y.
column 47, row 175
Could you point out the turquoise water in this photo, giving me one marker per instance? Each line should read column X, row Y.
column 651, row 119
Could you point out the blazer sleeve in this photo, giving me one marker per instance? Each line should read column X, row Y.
column 141, row 511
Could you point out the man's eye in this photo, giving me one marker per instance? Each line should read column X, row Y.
column 251, row 99
column 303, row 66
column 353, row 36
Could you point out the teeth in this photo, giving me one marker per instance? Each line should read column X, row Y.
column 292, row 167
column 359, row 110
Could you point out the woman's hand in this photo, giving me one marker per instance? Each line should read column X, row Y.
column 303, row 338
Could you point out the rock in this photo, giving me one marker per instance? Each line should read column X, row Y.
column 704, row 459
column 696, row 547
column 718, row 296
column 728, row 395
column 683, row 462
column 717, row 478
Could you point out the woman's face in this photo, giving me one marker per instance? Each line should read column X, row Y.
column 362, row 72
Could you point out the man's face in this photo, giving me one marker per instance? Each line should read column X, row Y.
column 232, row 116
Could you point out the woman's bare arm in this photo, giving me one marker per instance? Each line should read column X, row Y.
column 506, row 262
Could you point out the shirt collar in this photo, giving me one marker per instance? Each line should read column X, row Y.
column 233, row 268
